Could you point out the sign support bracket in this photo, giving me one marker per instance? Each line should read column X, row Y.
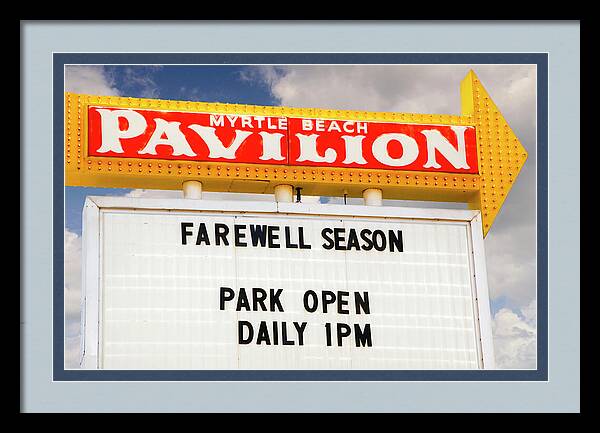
column 192, row 189
column 373, row 197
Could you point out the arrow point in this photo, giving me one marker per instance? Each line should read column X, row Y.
column 471, row 76
column 501, row 154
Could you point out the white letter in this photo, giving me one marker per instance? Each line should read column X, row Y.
column 436, row 141
column 271, row 123
column 259, row 120
column 216, row 120
column 173, row 137
column 246, row 122
column 410, row 149
column 232, row 118
column 347, row 127
column 354, row 149
column 282, row 123
column 215, row 146
column 307, row 125
column 271, row 146
column 308, row 150
column 334, row 126
column 361, row 127
column 111, row 134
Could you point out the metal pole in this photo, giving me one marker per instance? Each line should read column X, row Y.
column 284, row 193
column 192, row 189
column 373, row 197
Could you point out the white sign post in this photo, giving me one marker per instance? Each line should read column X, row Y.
column 204, row 285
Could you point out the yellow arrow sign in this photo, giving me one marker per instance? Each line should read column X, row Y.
column 501, row 155
column 127, row 154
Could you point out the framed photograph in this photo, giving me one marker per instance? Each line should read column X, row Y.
column 308, row 216
column 448, row 157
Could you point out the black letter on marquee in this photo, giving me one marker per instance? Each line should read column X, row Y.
column 300, row 328
column 338, row 235
column 256, row 299
column 328, row 298
column 363, row 338
column 379, row 247
column 328, row 333
column 263, row 334
column 242, row 301
column 325, row 234
column 238, row 235
column 396, row 240
column 315, row 301
column 202, row 235
column 258, row 234
column 342, row 302
column 229, row 297
column 361, row 302
column 284, row 339
column 273, row 236
column 343, row 331
column 185, row 233
column 303, row 246
column 288, row 239
column 221, row 232
column 364, row 235
column 353, row 241
column 275, row 334
column 275, row 299
column 241, row 325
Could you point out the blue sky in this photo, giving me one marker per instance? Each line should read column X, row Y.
column 510, row 246
column 190, row 83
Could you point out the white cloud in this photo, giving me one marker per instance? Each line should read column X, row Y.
column 72, row 328
column 100, row 80
column 511, row 263
column 141, row 79
column 529, row 313
column 515, row 338
column 72, row 255
column 190, row 94
column 405, row 88
column 72, row 351
column 92, row 80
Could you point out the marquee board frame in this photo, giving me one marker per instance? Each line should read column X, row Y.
column 91, row 237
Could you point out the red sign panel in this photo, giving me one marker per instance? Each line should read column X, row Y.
column 150, row 134
column 153, row 134
column 375, row 145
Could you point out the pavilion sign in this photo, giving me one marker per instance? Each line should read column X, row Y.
column 144, row 143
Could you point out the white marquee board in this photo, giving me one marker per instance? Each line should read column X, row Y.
column 194, row 285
